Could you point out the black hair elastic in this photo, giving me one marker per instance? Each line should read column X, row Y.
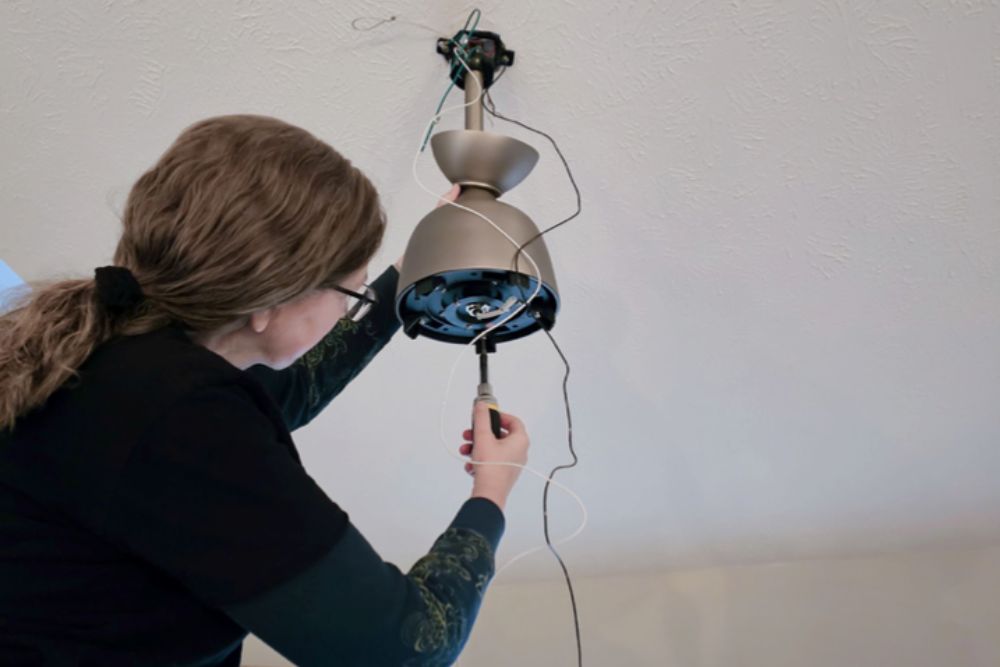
column 117, row 289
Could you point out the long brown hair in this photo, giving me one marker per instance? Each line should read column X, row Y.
column 242, row 212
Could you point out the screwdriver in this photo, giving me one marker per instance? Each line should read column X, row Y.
column 485, row 393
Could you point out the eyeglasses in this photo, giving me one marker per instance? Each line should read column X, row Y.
column 358, row 305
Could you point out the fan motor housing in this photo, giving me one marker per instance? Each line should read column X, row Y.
column 460, row 277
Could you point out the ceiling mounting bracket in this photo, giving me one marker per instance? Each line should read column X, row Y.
column 483, row 51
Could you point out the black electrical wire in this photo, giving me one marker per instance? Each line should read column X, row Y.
column 497, row 77
column 545, row 501
column 491, row 108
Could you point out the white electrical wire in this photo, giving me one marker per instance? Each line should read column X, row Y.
column 538, row 279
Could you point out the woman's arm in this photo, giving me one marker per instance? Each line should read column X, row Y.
column 352, row 608
column 307, row 386
column 213, row 496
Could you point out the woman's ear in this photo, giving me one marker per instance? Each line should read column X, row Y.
column 259, row 319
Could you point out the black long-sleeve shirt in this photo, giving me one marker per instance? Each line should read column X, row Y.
column 155, row 510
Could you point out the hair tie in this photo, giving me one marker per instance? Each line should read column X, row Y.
column 117, row 289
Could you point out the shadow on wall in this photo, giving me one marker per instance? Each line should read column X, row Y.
column 635, row 428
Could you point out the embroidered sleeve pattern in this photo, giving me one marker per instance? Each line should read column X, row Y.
column 452, row 580
column 353, row 608
column 336, row 360
column 302, row 390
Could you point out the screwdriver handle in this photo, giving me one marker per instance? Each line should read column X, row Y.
column 494, row 415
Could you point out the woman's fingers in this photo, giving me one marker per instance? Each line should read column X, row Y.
column 451, row 195
column 466, row 450
column 509, row 422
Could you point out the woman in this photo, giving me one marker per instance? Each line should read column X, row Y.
column 153, row 508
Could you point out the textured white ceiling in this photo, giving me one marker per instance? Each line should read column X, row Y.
column 781, row 303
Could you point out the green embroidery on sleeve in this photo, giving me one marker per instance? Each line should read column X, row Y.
column 458, row 556
column 332, row 345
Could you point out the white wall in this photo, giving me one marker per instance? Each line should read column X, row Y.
column 913, row 610
column 779, row 302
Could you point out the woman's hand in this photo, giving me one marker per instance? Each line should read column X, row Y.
column 451, row 195
column 495, row 481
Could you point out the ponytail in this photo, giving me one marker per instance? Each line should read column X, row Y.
column 43, row 340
